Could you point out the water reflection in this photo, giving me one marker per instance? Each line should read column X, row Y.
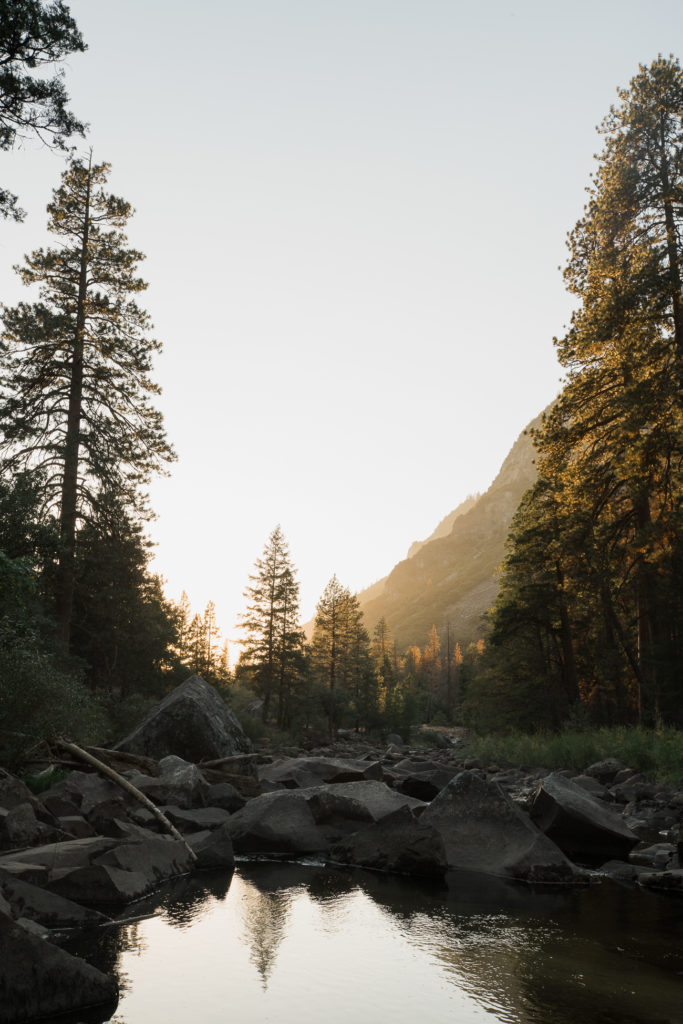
column 290, row 943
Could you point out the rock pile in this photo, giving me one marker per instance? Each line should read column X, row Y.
column 87, row 845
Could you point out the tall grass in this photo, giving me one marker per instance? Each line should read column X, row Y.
column 659, row 753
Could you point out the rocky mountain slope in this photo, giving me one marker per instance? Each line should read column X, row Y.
column 452, row 577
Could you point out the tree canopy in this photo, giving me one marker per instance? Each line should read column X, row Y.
column 33, row 36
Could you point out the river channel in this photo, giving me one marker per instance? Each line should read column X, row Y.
column 304, row 944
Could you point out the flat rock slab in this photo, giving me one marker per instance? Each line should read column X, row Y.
column 52, row 911
column 196, row 820
column 192, row 722
column 105, row 870
column 665, row 881
column 306, row 772
column 72, row 853
column 40, row 981
column 483, row 831
column 584, row 827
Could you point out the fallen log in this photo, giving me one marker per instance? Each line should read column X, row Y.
column 104, row 769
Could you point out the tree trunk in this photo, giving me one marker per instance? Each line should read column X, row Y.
column 69, row 502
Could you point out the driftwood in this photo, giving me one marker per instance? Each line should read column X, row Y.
column 147, row 765
column 104, row 769
column 234, row 761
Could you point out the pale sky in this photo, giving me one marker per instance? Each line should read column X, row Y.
column 353, row 214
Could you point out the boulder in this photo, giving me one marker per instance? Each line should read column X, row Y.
column 103, row 870
column 14, row 792
column 399, row 843
column 99, row 885
column 483, row 831
column 38, row 980
column 276, row 823
column 337, row 814
column 196, row 820
column 377, row 798
column 581, row 825
column 305, row 772
column 659, row 856
column 192, row 722
column 605, row 771
column 86, row 791
column 665, row 881
column 185, row 785
column 20, row 827
column 425, row 785
column 70, row 854
column 213, row 849
column 225, row 796
column 52, row 911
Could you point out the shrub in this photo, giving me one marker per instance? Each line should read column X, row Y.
column 38, row 701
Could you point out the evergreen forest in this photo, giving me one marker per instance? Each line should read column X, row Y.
column 587, row 628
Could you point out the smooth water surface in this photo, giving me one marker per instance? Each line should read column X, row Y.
column 297, row 944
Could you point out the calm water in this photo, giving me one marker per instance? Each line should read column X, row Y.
column 294, row 944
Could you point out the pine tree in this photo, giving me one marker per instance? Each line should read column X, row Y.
column 606, row 607
column 34, row 35
column 341, row 654
column 274, row 640
column 76, row 367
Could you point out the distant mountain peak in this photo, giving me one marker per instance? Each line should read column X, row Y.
column 451, row 577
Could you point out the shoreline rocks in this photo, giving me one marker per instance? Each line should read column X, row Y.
column 86, row 843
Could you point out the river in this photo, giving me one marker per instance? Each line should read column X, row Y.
column 304, row 944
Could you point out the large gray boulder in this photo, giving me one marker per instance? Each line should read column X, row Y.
column 483, row 831
column 38, row 980
column 400, row 843
column 276, row 823
column 297, row 821
column 192, row 722
column 584, row 827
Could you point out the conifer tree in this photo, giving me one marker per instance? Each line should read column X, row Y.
column 605, row 518
column 76, row 384
column 274, row 639
column 341, row 652
column 33, row 36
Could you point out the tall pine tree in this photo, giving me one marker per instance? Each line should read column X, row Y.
column 274, row 639
column 75, row 396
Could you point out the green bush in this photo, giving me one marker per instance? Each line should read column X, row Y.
column 38, row 701
column 656, row 752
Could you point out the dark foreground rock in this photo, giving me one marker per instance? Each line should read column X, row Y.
column 483, row 831
column 192, row 722
column 48, row 909
column 40, row 981
column 102, row 870
column 399, row 843
column 584, row 827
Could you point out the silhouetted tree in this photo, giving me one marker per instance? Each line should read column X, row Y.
column 33, row 36
column 74, row 401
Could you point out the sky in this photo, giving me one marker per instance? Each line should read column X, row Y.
column 354, row 213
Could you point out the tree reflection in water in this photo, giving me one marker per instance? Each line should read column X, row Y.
column 288, row 942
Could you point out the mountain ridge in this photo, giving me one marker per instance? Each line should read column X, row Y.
column 451, row 577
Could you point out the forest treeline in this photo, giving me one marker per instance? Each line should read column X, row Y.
column 589, row 619
column 588, row 625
